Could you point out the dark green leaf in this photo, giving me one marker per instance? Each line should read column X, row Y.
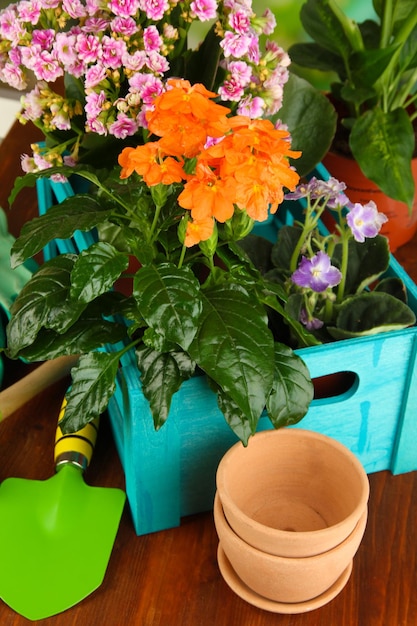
column 314, row 56
column 43, row 302
column 368, row 65
column 292, row 390
column 84, row 336
column 394, row 286
column 235, row 417
column 234, row 347
column 311, row 120
column 371, row 313
column 382, row 144
column 80, row 212
column 96, row 270
column 169, row 300
column 162, row 375
column 326, row 28
column 283, row 249
column 258, row 250
column 93, row 384
column 367, row 261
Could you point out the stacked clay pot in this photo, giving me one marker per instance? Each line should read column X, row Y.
column 290, row 512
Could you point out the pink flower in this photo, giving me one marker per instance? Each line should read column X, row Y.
column 10, row 27
column 44, row 38
column 152, row 39
column 204, row 9
column 94, row 75
column 65, row 49
column 157, row 63
column 88, row 48
column 13, row 76
column 27, row 163
column 32, row 103
column 60, row 118
column 135, row 62
column 125, row 26
column 29, row 11
column 154, row 9
column 240, row 22
column 74, row 8
column 270, row 22
column 241, row 72
column 231, row 90
column 147, row 86
column 235, row 45
column 113, row 51
column 47, row 67
column 95, row 103
column 123, row 127
column 95, row 125
column 124, row 8
column 95, row 25
column 253, row 107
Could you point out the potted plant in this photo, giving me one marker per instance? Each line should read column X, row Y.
column 374, row 94
column 179, row 204
column 94, row 72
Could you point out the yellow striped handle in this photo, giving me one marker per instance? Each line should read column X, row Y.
column 75, row 448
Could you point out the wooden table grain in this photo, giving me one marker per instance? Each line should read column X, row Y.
column 171, row 578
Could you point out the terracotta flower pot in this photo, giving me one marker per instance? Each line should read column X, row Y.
column 401, row 225
column 295, row 503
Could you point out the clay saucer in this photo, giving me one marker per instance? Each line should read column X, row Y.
column 244, row 592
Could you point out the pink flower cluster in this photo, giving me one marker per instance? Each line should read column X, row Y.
column 119, row 53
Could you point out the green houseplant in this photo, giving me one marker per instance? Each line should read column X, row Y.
column 179, row 204
column 375, row 63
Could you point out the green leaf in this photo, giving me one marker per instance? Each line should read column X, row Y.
column 382, row 144
column 234, row 346
column 394, row 286
column 366, row 262
column 336, row 33
column 282, row 251
column 169, row 300
column 235, row 417
column 84, row 336
column 316, row 57
column 258, row 250
column 369, row 314
column 292, row 390
column 96, row 270
column 93, row 384
column 43, row 302
column 162, row 375
column 80, row 212
column 368, row 65
column 311, row 120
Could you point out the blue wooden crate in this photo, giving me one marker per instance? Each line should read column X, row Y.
column 171, row 473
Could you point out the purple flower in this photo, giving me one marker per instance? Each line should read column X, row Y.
column 311, row 323
column 365, row 220
column 316, row 273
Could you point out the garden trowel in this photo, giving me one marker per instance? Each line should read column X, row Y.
column 56, row 536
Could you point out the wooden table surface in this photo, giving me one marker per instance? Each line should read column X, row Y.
column 171, row 578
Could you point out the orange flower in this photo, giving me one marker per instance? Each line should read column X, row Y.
column 184, row 117
column 183, row 136
column 253, row 197
column 148, row 161
column 206, row 195
column 126, row 162
column 198, row 230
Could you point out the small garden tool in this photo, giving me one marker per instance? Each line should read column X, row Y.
column 56, row 535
